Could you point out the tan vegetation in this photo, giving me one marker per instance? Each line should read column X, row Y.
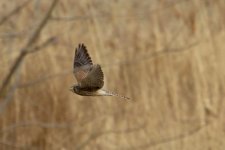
column 167, row 56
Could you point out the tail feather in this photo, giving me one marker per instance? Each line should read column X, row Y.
column 110, row 93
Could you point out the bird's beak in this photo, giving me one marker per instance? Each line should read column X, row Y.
column 71, row 89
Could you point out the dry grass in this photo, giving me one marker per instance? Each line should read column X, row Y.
column 168, row 56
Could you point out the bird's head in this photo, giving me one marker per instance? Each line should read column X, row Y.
column 74, row 88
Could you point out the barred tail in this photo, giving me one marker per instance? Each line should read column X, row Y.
column 110, row 93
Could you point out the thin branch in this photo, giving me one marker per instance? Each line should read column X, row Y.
column 26, row 48
column 34, row 36
column 13, row 34
column 46, row 77
column 14, row 11
column 9, row 94
column 43, row 45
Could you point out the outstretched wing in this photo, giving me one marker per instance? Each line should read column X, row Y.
column 94, row 80
column 81, row 57
column 82, row 63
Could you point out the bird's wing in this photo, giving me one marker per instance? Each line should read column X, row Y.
column 94, row 80
column 82, row 63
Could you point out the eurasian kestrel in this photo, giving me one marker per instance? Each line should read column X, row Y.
column 89, row 76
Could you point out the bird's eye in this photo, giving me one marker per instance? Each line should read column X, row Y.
column 74, row 89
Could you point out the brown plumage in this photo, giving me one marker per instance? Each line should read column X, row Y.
column 89, row 76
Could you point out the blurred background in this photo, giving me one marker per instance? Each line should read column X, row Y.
column 166, row 55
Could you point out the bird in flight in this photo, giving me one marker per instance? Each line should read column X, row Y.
column 90, row 78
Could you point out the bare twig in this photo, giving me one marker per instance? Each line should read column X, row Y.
column 34, row 36
column 43, row 45
column 26, row 48
column 13, row 34
column 14, row 11
column 46, row 77
column 9, row 94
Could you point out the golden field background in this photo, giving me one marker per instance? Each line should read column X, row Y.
column 168, row 56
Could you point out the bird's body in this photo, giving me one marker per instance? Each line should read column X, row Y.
column 90, row 92
column 89, row 76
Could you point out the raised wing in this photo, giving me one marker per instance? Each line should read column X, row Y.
column 82, row 63
column 82, row 57
column 94, row 80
